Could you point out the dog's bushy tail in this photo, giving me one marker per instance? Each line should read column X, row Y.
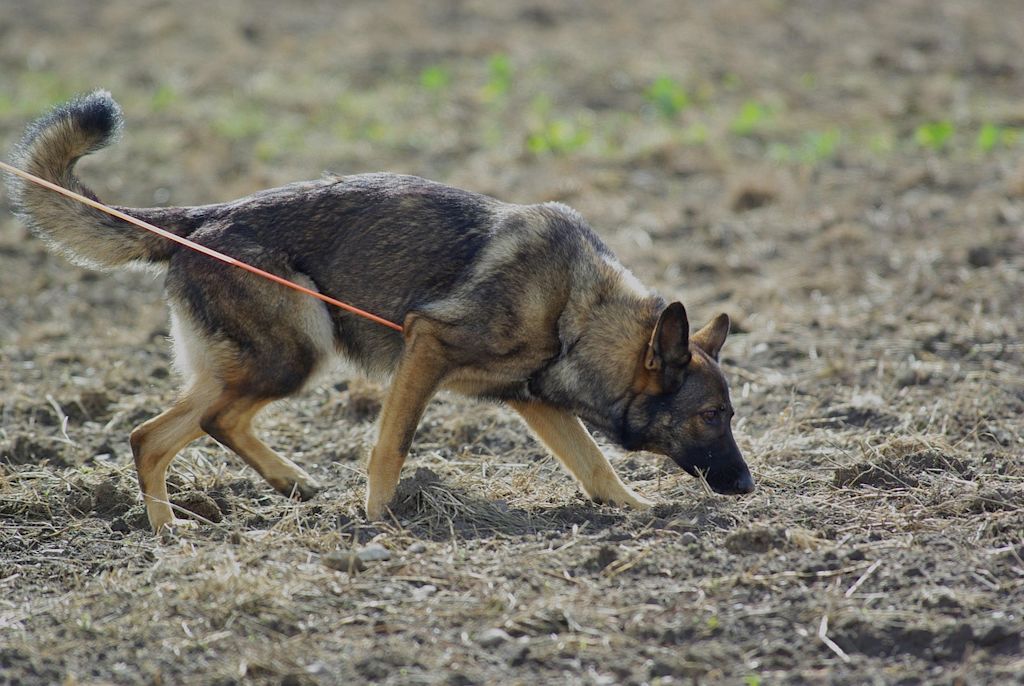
column 50, row 148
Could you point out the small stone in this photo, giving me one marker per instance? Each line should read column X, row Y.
column 344, row 561
column 941, row 599
column 661, row 669
column 417, row 548
column 981, row 256
column 374, row 553
column 492, row 638
column 605, row 556
column 424, row 592
column 135, row 519
column 688, row 538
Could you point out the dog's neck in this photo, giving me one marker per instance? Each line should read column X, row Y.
column 603, row 331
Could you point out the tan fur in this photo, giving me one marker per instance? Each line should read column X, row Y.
column 419, row 373
column 572, row 444
column 156, row 442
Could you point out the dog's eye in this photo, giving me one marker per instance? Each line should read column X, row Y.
column 710, row 416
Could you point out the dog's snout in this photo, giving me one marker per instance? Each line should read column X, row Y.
column 744, row 484
column 732, row 482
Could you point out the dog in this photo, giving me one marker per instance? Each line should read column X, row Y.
column 520, row 304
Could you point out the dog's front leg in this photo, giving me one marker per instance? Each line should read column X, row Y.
column 566, row 437
column 420, row 371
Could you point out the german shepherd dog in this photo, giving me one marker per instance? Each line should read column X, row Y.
column 522, row 304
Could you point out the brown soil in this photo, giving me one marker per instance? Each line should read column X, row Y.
column 873, row 264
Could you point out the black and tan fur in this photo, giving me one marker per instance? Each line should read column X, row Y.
column 520, row 304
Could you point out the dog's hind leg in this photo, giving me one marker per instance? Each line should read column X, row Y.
column 229, row 422
column 420, row 371
column 260, row 341
column 572, row 444
column 156, row 442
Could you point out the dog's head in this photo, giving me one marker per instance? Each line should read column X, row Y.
column 681, row 407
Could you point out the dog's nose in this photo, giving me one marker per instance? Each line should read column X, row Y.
column 744, row 484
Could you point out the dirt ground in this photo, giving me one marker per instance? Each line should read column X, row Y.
column 845, row 179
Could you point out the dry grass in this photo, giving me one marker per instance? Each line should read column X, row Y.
column 492, row 555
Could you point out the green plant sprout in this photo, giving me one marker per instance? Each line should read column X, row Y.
column 163, row 98
column 820, row 145
column 435, row 78
column 667, row 96
column 499, row 68
column 752, row 117
column 992, row 136
column 553, row 135
column 934, row 135
column 242, row 122
column 557, row 136
column 694, row 134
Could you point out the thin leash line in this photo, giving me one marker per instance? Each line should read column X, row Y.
column 227, row 259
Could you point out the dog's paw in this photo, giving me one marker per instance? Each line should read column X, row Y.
column 624, row 498
column 375, row 511
column 299, row 485
column 376, row 505
column 174, row 527
column 636, row 501
column 304, row 489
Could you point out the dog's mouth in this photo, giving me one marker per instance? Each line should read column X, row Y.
column 734, row 479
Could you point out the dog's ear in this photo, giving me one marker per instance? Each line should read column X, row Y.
column 668, row 351
column 711, row 337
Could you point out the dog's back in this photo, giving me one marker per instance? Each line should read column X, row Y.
column 388, row 243
column 391, row 244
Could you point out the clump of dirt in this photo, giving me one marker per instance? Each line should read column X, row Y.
column 979, row 256
column 858, row 417
column 90, row 406
column 605, row 556
column 358, row 401
column 923, row 453
column 221, row 496
column 943, row 641
column 753, row 195
column 762, row 539
column 135, row 519
column 409, row 495
column 881, row 636
column 903, row 461
column 996, row 499
column 879, row 474
column 107, row 497
column 362, row 401
column 425, row 501
column 111, row 498
column 198, row 503
column 28, row 449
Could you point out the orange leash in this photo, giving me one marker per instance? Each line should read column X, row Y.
column 227, row 259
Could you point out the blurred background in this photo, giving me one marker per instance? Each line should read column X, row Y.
column 824, row 171
column 520, row 99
